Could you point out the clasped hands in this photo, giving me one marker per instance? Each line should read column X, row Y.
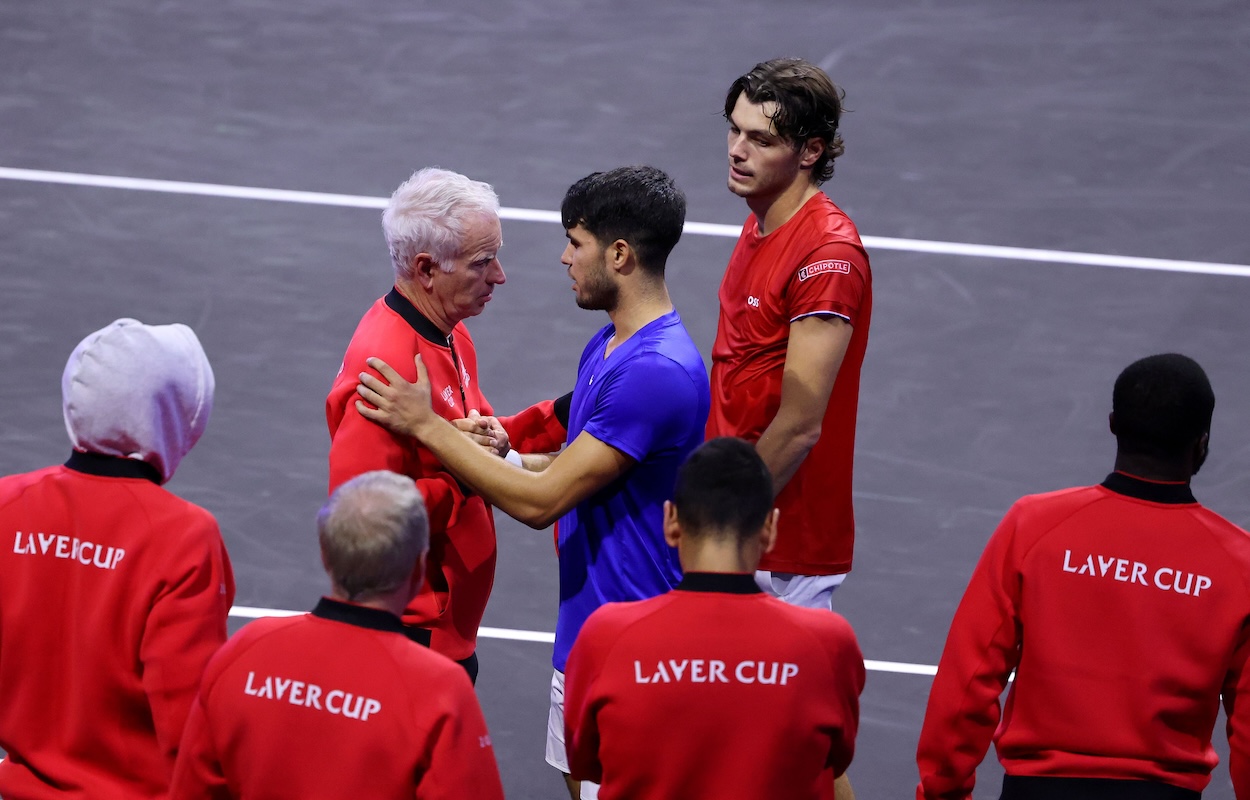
column 404, row 408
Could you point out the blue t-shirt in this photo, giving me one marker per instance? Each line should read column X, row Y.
column 649, row 399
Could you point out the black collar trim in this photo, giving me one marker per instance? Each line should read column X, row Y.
column 726, row 582
column 419, row 322
column 112, row 466
column 1151, row 491
column 361, row 616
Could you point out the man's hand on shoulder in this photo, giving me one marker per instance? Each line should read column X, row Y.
column 394, row 403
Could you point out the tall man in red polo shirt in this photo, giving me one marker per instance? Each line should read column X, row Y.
column 795, row 306
column 1124, row 609
column 714, row 690
column 444, row 236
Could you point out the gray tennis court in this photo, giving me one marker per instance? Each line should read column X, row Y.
column 1105, row 141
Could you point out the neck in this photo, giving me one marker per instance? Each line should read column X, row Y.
column 774, row 211
column 423, row 301
column 638, row 306
column 718, row 554
column 1153, row 469
column 392, row 602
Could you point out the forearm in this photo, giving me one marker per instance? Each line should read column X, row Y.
column 537, row 462
column 519, row 493
column 785, row 443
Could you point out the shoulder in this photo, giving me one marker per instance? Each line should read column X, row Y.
column 1054, row 505
column 12, row 487
column 381, row 331
column 667, row 347
column 1234, row 539
column 249, row 642
column 829, row 632
column 611, row 620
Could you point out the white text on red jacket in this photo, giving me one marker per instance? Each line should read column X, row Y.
column 699, row 670
column 70, row 548
column 309, row 695
column 1125, row 571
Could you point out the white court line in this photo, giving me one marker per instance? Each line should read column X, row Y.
column 542, row 637
column 696, row 228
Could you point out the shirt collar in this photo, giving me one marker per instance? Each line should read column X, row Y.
column 361, row 616
column 419, row 322
column 112, row 466
column 726, row 582
column 1151, row 491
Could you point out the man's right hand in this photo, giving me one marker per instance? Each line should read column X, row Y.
column 485, row 432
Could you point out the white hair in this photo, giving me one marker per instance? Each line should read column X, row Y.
column 427, row 214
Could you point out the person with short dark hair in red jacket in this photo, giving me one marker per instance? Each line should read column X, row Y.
column 715, row 689
column 341, row 702
column 114, row 591
column 1124, row 609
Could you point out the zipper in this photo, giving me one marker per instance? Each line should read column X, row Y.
column 455, row 360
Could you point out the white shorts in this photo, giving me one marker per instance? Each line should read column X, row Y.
column 557, row 756
column 808, row 591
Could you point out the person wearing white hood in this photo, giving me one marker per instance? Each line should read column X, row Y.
column 115, row 592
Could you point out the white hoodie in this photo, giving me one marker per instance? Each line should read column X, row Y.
column 138, row 391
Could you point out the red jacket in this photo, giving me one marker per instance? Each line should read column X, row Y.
column 334, row 704
column 461, row 564
column 713, row 690
column 1125, row 610
column 113, row 596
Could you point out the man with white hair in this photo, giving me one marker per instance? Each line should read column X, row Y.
column 340, row 702
column 444, row 237
column 115, row 591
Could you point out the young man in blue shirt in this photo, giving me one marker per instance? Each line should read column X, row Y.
column 638, row 409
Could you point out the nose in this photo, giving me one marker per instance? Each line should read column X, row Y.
column 736, row 149
column 566, row 258
column 495, row 275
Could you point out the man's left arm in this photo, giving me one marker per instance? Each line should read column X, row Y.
column 534, row 498
column 982, row 648
column 1236, row 697
column 581, row 727
column 185, row 626
column 817, row 346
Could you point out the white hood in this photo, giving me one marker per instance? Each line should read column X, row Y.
column 138, row 391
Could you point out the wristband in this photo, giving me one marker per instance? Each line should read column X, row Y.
column 513, row 457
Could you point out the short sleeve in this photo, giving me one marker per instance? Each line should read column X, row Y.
column 830, row 280
column 647, row 404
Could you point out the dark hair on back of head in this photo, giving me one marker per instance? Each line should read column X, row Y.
column 641, row 205
column 1162, row 405
column 724, row 489
column 809, row 105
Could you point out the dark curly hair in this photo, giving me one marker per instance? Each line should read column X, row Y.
column 809, row 105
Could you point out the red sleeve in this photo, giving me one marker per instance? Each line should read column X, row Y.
column 185, row 626
column 830, row 280
column 536, row 429
column 848, row 682
column 1236, row 694
column 359, row 446
column 581, row 727
column 982, row 648
column 461, row 759
column 198, row 774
